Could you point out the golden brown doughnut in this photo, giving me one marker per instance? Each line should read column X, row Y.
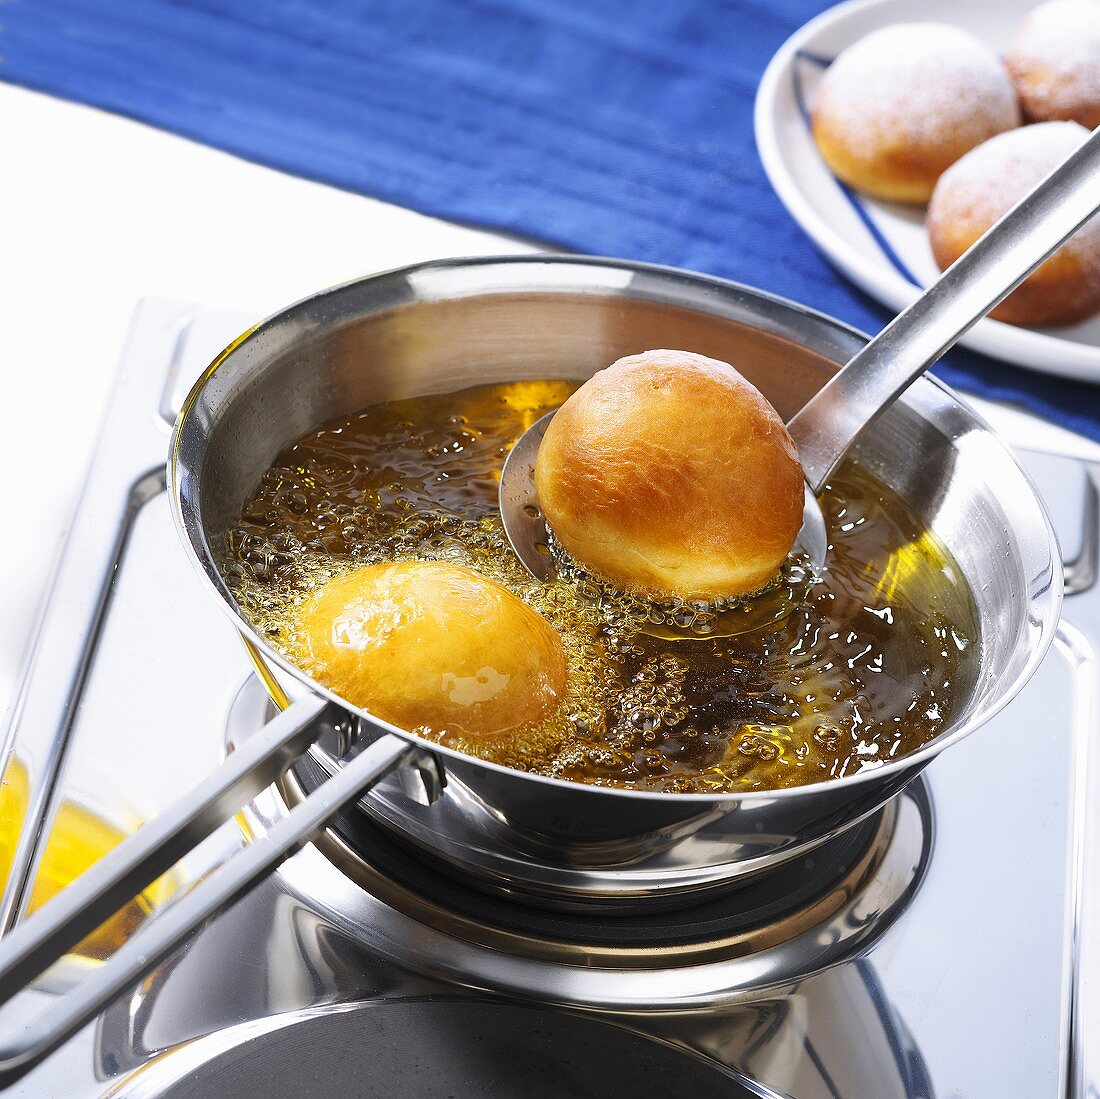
column 1054, row 61
column 669, row 474
column 424, row 644
column 988, row 181
column 904, row 103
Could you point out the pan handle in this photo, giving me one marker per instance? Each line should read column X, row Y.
column 60, row 924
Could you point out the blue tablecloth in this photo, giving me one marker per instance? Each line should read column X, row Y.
column 605, row 126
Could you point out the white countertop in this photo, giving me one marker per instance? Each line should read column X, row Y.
column 100, row 211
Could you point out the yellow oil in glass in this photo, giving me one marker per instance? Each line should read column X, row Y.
column 78, row 838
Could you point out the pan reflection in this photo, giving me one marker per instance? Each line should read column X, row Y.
column 834, row 1036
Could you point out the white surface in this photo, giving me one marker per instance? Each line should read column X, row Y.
column 100, row 211
column 819, row 204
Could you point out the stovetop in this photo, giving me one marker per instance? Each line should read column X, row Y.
column 983, row 981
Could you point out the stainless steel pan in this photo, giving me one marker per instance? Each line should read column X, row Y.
column 440, row 327
column 444, row 326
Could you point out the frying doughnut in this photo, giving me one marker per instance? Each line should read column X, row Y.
column 426, row 644
column 670, row 475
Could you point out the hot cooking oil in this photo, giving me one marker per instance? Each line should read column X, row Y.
column 869, row 665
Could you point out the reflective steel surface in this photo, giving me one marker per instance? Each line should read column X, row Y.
column 984, row 981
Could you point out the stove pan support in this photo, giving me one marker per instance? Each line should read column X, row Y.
column 127, row 471
column 1083, row 950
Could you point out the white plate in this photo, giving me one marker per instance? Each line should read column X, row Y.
column 880, row 246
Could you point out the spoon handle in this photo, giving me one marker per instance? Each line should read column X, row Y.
column 985, row 274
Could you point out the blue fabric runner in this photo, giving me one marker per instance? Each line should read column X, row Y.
column 616, row 127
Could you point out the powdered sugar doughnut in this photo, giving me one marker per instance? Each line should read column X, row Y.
column 1055, row 62
column 974, row 193
column 905, row 102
